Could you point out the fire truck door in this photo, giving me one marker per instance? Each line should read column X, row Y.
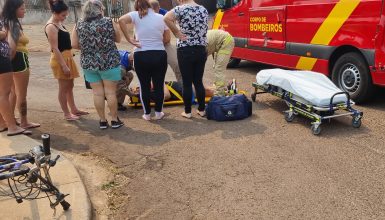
column 267, row 27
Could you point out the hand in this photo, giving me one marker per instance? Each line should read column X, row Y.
column 136, row 43
column 131, row 57
column 66, row 70
column 181, row 36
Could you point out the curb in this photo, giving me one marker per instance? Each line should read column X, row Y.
column 64, row 176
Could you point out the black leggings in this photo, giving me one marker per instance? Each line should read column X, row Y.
column 150, row 66
column 192, row 60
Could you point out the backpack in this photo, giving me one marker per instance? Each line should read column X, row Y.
column 228, row 108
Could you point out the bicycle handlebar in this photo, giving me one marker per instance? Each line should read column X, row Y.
column 46, row 144
column 14, row 173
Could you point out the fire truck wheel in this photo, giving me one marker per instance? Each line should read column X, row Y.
column 233, row 63
column 351, row 74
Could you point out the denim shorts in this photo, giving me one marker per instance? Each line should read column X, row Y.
column 94, row 76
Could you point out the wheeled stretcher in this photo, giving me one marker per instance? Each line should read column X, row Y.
column 326, row 98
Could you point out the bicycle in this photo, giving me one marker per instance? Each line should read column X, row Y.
column 28, row 182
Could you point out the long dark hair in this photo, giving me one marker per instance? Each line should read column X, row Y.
column 142, row 7
column 57, row 6
column 11, row 22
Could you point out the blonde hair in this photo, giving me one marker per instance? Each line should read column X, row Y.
column 92, row 9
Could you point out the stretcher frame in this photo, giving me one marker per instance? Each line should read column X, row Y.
column 317, row 114
column 135, row 101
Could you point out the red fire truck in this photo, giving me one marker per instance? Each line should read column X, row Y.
column 343, row 39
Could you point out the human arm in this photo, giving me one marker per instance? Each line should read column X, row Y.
column 52, row 35
column 12, row 46
column 75, row 39
column 118, row 37
column 3, row 34
column 123, row 23
column 166, row 37
column 170, row 20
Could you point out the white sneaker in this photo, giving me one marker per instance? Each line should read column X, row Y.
column 186, row 115
column 159, row 115
column 201, row 113
column 146, row 117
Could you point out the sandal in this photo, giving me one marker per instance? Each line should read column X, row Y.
column 3, row 129
column 31, row 125
column 71, row 117
column 25, row 132
column 80, row 113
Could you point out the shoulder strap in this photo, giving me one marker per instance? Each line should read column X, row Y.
column 45, row 28
column 49, row 24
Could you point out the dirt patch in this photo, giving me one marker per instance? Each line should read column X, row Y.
column 102, row 181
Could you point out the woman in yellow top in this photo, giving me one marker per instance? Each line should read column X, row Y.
column 12, row 11
column 7, row 117
column 62, row 63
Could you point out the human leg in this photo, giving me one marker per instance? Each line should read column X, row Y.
column 99, row 103
column 96, row 83
column 65, row 86
column 221, row 60
column 185, row 58
column 110, row 94
column 158, row 74
column 71, row 100
column 12, row 96
column 142, row 71
column 7, row 114
column 110, row 79
column 21, row 80
column 199, row 67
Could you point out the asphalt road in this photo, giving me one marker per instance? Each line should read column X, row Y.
column 258, row 168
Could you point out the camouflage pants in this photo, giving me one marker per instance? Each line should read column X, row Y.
column 123, row 86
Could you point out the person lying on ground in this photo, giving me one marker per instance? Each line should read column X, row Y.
column 175, row 93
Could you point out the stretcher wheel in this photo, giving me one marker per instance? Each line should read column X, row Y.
column 289, row 116
column 356, row 122
column 254, row 96
column 315, row 129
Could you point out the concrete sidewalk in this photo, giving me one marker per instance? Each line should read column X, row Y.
column 64, row 176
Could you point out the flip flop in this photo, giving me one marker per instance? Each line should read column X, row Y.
column 25, row 132
column 3, row 129
column 80, row 113
column 72, row 118
column 33, row 125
